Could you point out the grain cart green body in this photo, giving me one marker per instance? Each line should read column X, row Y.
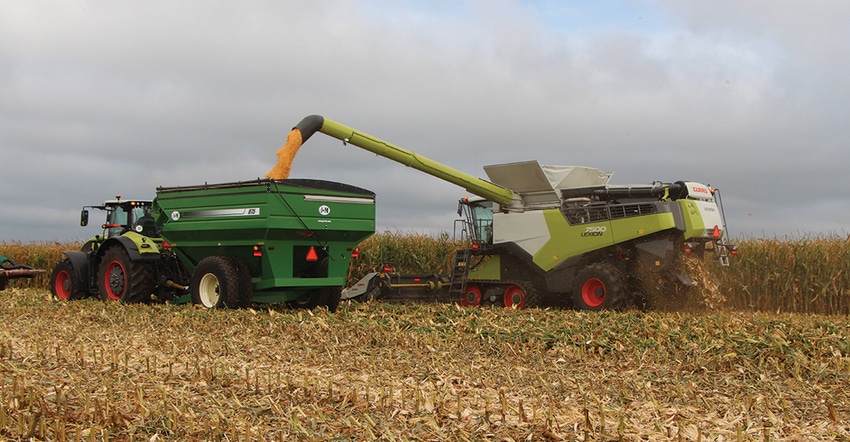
column 560, row 233
column 292, row 237
column 224, row 245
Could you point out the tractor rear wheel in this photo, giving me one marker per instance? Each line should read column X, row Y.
column 121, row 279
column 599, row 286
column 64, row 284
column 221, row 282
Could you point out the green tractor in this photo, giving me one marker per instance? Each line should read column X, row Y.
column 120, row 264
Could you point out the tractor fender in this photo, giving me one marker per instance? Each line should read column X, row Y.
column 80, row 263
column 129, row 245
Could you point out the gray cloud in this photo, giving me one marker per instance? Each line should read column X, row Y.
column 99, row 98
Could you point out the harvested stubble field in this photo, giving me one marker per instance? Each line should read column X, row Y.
column 89, row 370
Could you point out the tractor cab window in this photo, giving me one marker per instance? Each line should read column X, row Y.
column 143, row 221
column 117, row 219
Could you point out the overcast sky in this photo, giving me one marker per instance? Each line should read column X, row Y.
column 106, row 97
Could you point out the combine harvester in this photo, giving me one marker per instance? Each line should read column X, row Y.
column 554, row 233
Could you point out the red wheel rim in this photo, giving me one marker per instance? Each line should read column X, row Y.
column 115, row 280
column 593, row 292
column 62, row 286
column 471, row 297
column 514, row 297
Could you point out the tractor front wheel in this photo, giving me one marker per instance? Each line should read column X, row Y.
column 121, row 279
column 599, row 286
column 64, row 283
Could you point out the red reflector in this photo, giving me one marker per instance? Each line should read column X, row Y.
column 417, row 279
column 734, row 251
column 312, row 255
column 716, row 233
column 687, row 250
column 475, row 246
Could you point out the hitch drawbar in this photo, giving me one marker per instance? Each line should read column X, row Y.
column 397, row 286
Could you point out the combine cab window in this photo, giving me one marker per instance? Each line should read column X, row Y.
column 482, row 221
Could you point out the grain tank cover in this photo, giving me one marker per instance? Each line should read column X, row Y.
column 541, row 185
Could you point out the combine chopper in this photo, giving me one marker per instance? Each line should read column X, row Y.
column 556, row 233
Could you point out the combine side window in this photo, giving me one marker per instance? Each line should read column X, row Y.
column 482, row 221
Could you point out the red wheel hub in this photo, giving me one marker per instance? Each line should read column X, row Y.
column 514, row 297
column 63, row 285
column 593, row 292
column 471, row 297
column 115, row 280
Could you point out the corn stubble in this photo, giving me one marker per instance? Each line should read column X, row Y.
column 89, row 370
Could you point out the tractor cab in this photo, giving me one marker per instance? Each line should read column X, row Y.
column 124, row 216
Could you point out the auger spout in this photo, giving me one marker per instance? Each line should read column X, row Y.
column 316, row 123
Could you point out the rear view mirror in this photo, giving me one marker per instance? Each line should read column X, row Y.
column 84, row 218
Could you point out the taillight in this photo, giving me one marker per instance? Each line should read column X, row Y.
column 258, row 252
column 356, row 253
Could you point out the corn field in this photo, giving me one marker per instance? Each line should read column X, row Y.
column 89, row 370
column 747, row 366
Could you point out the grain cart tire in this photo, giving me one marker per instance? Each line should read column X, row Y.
column 333, row 297
column 318, row 296
column 471, row 296
column 121, row 279
column 65, row 285
column 221, row 282
column 521, row 296
column 599, row 286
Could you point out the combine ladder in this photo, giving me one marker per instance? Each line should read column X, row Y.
column 460, row 271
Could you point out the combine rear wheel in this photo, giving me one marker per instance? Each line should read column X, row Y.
column 121, row 279
column 64, row 283
column 599, row 286
column 521, row 296
column 221, row 281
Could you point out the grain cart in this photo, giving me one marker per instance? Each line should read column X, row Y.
column 226, row 244
column 557, row 232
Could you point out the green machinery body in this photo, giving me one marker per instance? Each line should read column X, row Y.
column 293, row 235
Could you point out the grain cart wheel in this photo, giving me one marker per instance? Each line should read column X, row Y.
column 121, row 279
column 518, row 297
column 64, row 283
column 471, row 296
column 317, row 296
column 599, row 286
column 221, row 282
